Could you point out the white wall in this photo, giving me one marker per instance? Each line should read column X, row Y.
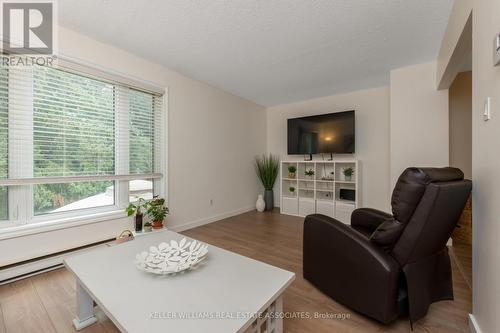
column 456, row 44
column 460, row 99
column 212, row 140
column 372, row 136
column 486, row 168
column 418, row 120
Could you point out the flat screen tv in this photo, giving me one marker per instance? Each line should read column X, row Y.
column 331, row 133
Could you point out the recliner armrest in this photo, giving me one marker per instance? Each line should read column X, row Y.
column 345, row 239
column 350, row 268
column 368, row 218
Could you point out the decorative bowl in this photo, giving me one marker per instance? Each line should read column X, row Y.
column 173, row 257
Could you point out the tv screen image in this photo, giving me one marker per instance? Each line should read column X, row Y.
column 326, row 133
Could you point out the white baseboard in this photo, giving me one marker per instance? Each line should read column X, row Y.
column 207, row 220
column 474, row 327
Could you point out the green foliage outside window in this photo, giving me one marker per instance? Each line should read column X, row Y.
column 77, row 138
column 74, row 134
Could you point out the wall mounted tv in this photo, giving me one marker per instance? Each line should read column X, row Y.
column 332, row 133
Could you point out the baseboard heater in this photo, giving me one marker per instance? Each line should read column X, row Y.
column 38, row 265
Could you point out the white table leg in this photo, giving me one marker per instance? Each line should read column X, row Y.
column 279, row 309
column 84, row 309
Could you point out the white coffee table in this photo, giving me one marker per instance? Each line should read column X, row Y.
column 218, row 296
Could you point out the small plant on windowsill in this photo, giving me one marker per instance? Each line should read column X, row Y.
column 148, row 227
column 136, row 208
column 157, row 211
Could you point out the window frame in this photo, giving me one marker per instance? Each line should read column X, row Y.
column 20, row 196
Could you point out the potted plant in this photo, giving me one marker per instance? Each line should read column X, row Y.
column 267, row 168
column 309, row 173
column 148, row 227
column 292, row 190
column 136, row 208
column 291, row 171
column 348, row 172
column 157, row 211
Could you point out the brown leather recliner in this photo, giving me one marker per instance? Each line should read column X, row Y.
column 386, row 265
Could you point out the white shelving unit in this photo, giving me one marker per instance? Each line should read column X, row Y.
column 319, row 193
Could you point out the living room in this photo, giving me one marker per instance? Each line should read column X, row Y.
column 131, row 125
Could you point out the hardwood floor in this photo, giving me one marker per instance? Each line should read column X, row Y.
column 462, row 254
column 46, row 302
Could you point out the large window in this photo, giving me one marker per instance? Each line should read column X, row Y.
column 70, row 142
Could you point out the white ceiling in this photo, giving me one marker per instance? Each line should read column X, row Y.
column 270, row 51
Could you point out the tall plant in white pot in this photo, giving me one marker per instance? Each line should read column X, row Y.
column 267, row 167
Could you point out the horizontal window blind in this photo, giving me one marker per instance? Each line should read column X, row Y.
column 141, row 132
column 159, row 128
column 4, row 121
column 78, row 128
column 4, row 136
column 73, row 124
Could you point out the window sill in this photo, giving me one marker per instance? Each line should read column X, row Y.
column 58, row 224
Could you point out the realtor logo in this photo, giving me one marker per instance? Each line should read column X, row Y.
column 28, row 27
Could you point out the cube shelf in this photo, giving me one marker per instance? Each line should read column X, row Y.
column 319, row 191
